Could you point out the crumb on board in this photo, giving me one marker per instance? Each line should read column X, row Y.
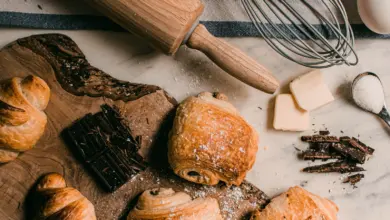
column 303, row 183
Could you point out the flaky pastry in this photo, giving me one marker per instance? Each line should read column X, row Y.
column 210, row 142
column 298, row 204
column 22, row 120
column 60, row 202
column 168, row 204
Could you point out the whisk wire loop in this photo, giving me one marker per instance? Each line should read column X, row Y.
column 291, row 34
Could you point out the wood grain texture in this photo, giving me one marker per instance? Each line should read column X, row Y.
column 78, row 89
column 163, row 23
column 232, row 60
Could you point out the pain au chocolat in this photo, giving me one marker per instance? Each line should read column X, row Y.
column 167, row 204
column 298, row 203
column 210, row 142
column 61, row 202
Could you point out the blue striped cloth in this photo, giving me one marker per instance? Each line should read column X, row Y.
column 33, row 14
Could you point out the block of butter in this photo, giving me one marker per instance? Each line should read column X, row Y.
column 288, row 116
column 310, row 91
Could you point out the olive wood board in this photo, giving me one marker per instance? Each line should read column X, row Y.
column 77, row 88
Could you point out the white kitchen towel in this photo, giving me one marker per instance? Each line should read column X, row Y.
column 223, row 18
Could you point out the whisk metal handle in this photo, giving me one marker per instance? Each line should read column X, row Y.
column 232, row 60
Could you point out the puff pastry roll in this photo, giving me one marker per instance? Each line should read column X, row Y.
column 60, row 202
column 298, row 204
column 210, row 142
column 22, row 120
column 168, row 204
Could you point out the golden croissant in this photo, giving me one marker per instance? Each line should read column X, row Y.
column 210, row 142
column 297, row 204
column 22, row 120
column 61, row 202
column 164, row 204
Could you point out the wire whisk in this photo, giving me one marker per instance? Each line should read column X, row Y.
column 288, row 28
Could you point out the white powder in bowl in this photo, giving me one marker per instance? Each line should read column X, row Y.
column 368, row 94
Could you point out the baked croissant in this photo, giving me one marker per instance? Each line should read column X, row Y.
column 298, row 204
column 61, row 202
column 210, row 142
column 168, row 204
column 22, row 120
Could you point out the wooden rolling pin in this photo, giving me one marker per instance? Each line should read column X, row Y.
column 167, row 24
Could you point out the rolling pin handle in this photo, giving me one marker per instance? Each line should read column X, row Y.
column 232, row 60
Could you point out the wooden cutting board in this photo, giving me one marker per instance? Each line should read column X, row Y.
column 77, row 88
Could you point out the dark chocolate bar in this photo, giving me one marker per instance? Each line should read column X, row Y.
column 321, row 147
column 326, row 132
column 338, row 167
column 106, row 146
column 350, row 152
column 345, row 138
column 320, row 139
column 354, row 142
column 354, row 179
column 314, row 155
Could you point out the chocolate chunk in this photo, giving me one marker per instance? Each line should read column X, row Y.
column 105, row 144
column 350, row 152
column 320, row 139
column 321, row 147
column 326, row 132
column 313, row 155
column 338, row 167
column 354, row 142
column 354, row 179
column 361, row 146
column 345, row 139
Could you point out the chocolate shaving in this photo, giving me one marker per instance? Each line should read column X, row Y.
column 361, row 146
column 321, row 147
column 354, row 179
column 326, row 132
column 345, row 139
column 350, row 152
column 105, row 144
column 334, row 167
column 313, row 155
column 320, row 139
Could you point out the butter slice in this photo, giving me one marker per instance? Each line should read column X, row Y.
column 310, row 91
column 288, row 115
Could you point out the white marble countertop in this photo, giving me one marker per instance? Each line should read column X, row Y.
column 277, row 167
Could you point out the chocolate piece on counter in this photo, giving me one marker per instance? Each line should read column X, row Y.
column 361, row 146
column 354, row 142
column 105, row 144
column 321, row 147
column 314, row 155
column 320, row 139
column 354, row 179
column 350, row 152
column 345, row 139
column 338, row 167
column 326, row 132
